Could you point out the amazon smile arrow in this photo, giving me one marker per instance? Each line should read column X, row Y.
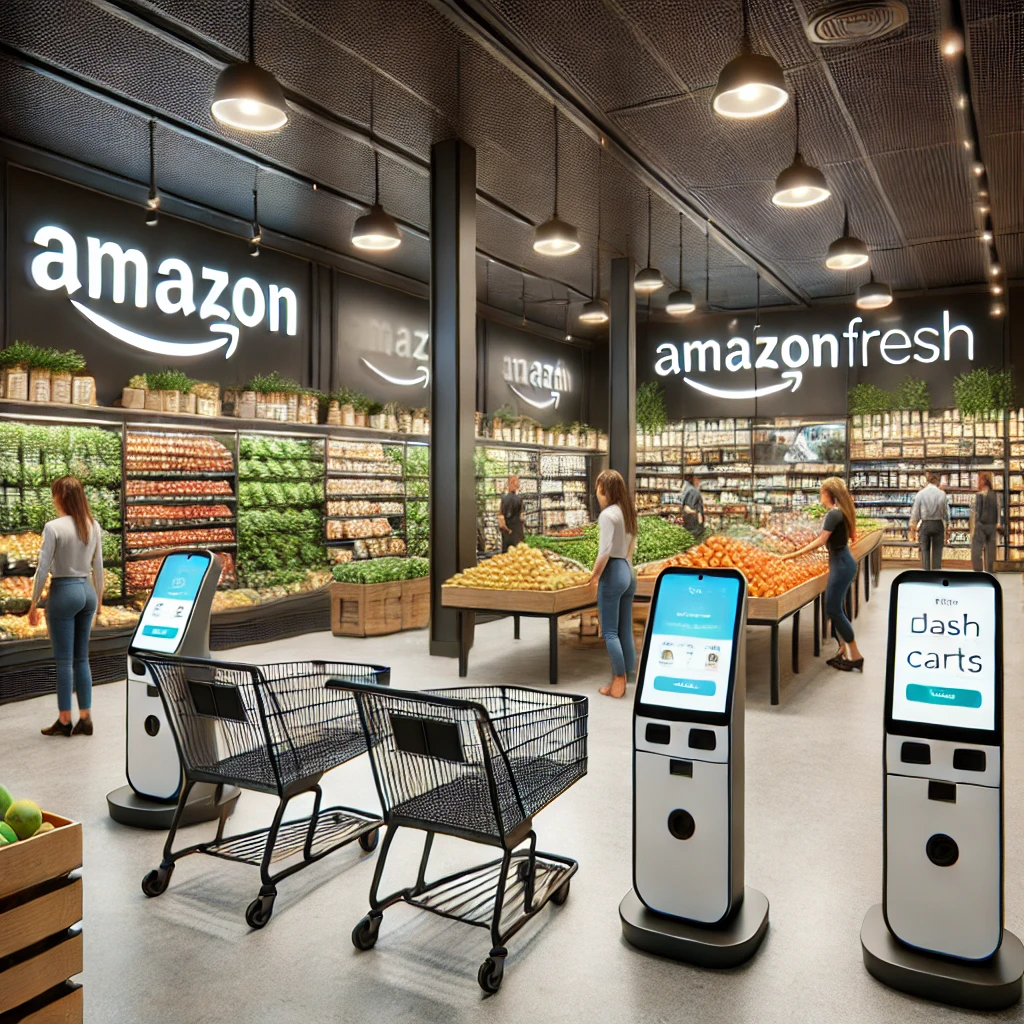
column 794, row 379
column 422, row 375
column 555, row 396
column 181, row 349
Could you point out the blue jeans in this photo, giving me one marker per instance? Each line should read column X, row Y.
column 842, row 570
column 615, row 592
column 69, row 612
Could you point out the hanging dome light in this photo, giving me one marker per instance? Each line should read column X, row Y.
column 555, row 237
column 873, row 295
column 593, row 312
column 376, row 229
column 846, row 252
column 750, row 85
column 800, row 184
column 246, row 96
column 650, row 279
column 680, row 302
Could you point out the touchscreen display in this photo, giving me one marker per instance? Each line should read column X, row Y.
column 690, row 649
column 167, row 612
column 944, row 669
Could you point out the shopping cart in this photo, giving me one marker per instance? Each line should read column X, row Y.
column 476, row 763
column 273, row 729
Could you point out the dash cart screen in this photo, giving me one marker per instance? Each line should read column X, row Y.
column 944, row 670
column 690, row 654
column 167, row 612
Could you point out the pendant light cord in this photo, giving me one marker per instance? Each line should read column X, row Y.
column 746, row 28
column 680, row 249
column 555, row 111
column 796, row 115
column 707, row 263
column 596, row 284
column 846, row 220
column 255, row 204
column 373, row 142
column 152, row 161
column 648, row 227
column 252, row 31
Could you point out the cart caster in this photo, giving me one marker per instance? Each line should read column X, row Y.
column 560, row 895
column 368, row 840
column 364, row 935
column 157, row 880
column 259, row 911
column 492, row 970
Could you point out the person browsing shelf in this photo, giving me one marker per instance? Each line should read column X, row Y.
column 693, row 505
column 838, row 530
column 72, row 557
column 985, row 518
column 510, row 518
column 613, row 573
column 929, row 521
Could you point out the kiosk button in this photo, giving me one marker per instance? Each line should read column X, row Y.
column 702, row 739
column 942, row 791
column 915, row 753
column 658, row 732
column 681, row 824
column 965, row 760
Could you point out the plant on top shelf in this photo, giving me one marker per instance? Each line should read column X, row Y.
column 982, row 391
column 912, row 393
column 269, row 383
column 651, row 417
column 169, row 380
column 505, row 416
column 23, row 353
column 864, row 399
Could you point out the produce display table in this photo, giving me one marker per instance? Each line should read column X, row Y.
column 536, row 604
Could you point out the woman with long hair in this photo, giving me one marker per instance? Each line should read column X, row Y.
column 984, row 524
column 838, row 531
column 613, row 573
column 71, row 554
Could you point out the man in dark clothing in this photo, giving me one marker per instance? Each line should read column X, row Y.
column 693, row 505
column 510, row 518
column 985, row 523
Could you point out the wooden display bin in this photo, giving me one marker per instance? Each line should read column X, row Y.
column 40, row 903
column 543, row 602
column 374, row 609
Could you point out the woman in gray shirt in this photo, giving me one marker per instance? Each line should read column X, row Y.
column 72, row 552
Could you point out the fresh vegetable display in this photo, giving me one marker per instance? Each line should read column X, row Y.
column 656, row 538
column 20, row 820
column 381, row 570
column 520, row 568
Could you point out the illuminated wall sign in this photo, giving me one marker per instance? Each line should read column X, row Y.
column 175, row 292
column 553, row 378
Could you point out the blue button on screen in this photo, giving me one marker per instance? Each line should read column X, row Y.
column 699, row 687
column 944, row 695
column 161, row 631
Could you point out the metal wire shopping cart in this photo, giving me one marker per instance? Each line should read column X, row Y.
column 273, row 729
column 476, row 763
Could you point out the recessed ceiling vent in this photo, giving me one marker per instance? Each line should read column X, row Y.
column 854, row 21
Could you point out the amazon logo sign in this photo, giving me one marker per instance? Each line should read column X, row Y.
column 223, row 307
column 546, row 381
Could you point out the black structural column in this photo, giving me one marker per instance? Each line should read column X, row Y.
column 452, row 379
column 622, row 372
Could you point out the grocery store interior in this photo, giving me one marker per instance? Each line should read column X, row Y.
column 338, row 312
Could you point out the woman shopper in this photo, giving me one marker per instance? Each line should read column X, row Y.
column 72, row 552
column 838, row 529
column 613, row 573
column 984, row 524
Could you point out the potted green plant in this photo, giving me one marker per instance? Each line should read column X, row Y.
column 375, row 414
column 390, row 412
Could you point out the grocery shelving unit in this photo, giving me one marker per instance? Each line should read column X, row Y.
column 721, row 452
column 659, row 471
column 1014, row 493
column 791, row 457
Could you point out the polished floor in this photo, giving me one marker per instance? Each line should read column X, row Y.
column 814, row 847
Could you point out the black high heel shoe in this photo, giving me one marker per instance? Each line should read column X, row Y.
column 845, row 665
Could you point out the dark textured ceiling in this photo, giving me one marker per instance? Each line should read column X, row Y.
column 881, row 119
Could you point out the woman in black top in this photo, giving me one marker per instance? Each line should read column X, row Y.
column 984, row 523
column 838, row 529
column 510, row 518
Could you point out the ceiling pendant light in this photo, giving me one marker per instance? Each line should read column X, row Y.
column 846, row 252
column 800, row 184
column 376, row 229
column 246, row 96
column 707, row 264
column 555, row 237
column 257, row 232
column 750, row 85
column 680, row 302
column 153, row 199
column 649, row 279
column 594, row 311
column 873, row 295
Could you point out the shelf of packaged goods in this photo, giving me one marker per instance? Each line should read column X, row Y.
column 182, row 499
column 344, row 474
column 366, row 516
column 140, row 554
column 173, row 524
column 210, row 474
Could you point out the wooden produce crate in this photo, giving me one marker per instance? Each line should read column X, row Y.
column 546, row 602
column 416, row 603
column 373, row 609
column 40, row 902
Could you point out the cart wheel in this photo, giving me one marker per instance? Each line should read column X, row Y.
column 368, row 840
column 560, row 895
column 491, row 972
column 258, row 912
column 364, row 935
column 156, row 881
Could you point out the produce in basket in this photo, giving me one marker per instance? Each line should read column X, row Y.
column 520, row 568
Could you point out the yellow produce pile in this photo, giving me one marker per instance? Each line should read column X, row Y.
column 521, row 568
column 22, row 546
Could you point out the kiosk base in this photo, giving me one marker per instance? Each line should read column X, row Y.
column 728, row 945
column 993, row 984
column 205, row 803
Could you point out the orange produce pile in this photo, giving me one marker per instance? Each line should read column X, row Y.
column 767, row 574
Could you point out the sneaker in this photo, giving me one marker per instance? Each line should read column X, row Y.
column 57, row 729
column 83, row 727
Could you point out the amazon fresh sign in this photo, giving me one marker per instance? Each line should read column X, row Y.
column 540, row 385
column 804, row 362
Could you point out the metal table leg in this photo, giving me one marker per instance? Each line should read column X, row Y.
column 552, row 649
column 796, row 641
column 515, row 620
column 463, row 652
column 775, row 663
column 867, row 579
column 817, row 625
column 855, row 590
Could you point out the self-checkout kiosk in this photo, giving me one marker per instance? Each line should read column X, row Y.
column 175, row 620
column 938, row 932
column 688, row 900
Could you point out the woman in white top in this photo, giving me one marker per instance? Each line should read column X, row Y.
column 613, row 572
column 72, row 552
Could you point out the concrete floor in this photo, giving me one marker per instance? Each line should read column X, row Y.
column 814, row 845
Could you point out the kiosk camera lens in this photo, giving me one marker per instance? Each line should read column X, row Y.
column 152, row 725
column 942, row 850
column 682, row 825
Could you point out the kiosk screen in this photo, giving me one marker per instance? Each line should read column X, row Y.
column 167, row 612
column 944, row 665
column 690, row 645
